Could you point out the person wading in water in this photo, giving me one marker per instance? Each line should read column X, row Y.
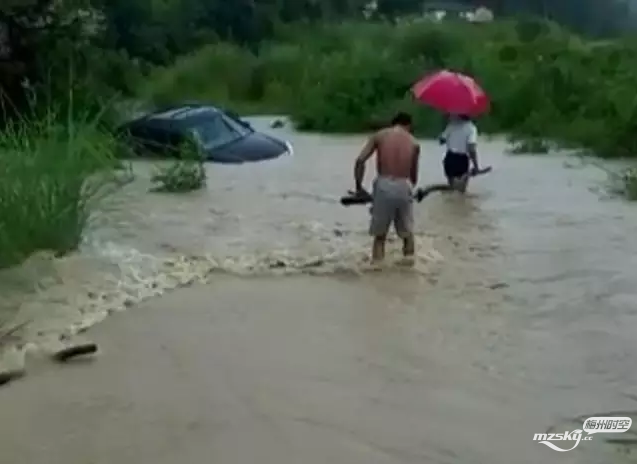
column 460, row 137
column 397, row 155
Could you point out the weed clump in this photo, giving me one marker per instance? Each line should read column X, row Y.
column 624, row 183
column 184, row 175
column 54, row 170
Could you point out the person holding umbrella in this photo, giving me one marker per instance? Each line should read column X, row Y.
column 461, row 98
column 461, row 138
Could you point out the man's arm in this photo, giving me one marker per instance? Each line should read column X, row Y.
column 415, row 161
column 359, row 167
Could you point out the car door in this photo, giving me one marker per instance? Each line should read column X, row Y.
column 143, row 139
column 150, row 140
column 156, row 141
column 174, row 143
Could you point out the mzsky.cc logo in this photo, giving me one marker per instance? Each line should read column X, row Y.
column 592, row 425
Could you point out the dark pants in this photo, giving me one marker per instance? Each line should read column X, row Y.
column 456, row 165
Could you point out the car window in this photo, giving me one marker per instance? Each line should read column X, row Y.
column 217, row 131
column 136, row 131
column 155, row 139
column 235, row 121
column 146, row 137
column 159, row 139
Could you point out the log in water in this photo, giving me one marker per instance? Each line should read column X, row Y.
column 74, row 351
column 361, row 198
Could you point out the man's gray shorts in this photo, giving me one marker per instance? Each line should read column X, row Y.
column 392, row 203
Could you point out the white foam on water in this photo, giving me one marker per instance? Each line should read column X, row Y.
column 79, row 291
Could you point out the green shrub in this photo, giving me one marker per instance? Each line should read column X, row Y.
column 184, row 175
column 221, row 73
column 180, row 177
column 53, row 171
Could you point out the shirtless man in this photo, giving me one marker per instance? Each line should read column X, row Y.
column 397, row 154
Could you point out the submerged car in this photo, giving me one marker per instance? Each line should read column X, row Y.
column 219, row 136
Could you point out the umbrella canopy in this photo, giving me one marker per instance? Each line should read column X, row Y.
column 452, row 93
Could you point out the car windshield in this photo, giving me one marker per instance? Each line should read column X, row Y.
column 218, row 130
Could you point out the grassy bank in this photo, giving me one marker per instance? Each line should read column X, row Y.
column 544, row 82
column 53, row 169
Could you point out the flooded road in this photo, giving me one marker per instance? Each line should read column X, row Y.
column 519, row 315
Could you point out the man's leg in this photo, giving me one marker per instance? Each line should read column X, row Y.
column 452, row 176
column 409, row 246
column 457, row 171
column 378, row 248
column 459, row 184
column 448, row 167
column 404, row 223
column 462, row 183
column 380, row 222
column 463, row 170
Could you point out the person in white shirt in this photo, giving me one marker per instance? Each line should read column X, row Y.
column 460, row 137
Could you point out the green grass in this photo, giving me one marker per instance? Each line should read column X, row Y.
column 54, row 169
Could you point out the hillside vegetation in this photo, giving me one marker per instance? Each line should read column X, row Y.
column 544, row 82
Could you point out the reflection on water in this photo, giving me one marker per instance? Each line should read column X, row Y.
column 530, row 279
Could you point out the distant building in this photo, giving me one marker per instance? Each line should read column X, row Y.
column 370, row 9
column 482, row 15
column 438, row 11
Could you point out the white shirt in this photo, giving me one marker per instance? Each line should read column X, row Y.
column 459, row 135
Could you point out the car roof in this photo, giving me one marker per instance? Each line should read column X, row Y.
column 177, row 117
column 184, row 114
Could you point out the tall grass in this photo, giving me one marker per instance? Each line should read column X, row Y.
column 54, row 168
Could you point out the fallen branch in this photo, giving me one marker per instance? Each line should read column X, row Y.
column 5, row 336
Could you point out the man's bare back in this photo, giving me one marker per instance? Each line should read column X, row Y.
column 395, row 152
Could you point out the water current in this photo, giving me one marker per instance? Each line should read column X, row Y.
column 529, row 281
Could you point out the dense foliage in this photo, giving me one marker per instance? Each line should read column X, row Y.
column 105, row 45
column 544, row 82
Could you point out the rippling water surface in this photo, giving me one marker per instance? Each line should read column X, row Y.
column 530, row 281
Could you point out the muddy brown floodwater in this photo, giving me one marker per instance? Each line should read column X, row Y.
column 518, row 317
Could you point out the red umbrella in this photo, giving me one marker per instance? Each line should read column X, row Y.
column 453, row 93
